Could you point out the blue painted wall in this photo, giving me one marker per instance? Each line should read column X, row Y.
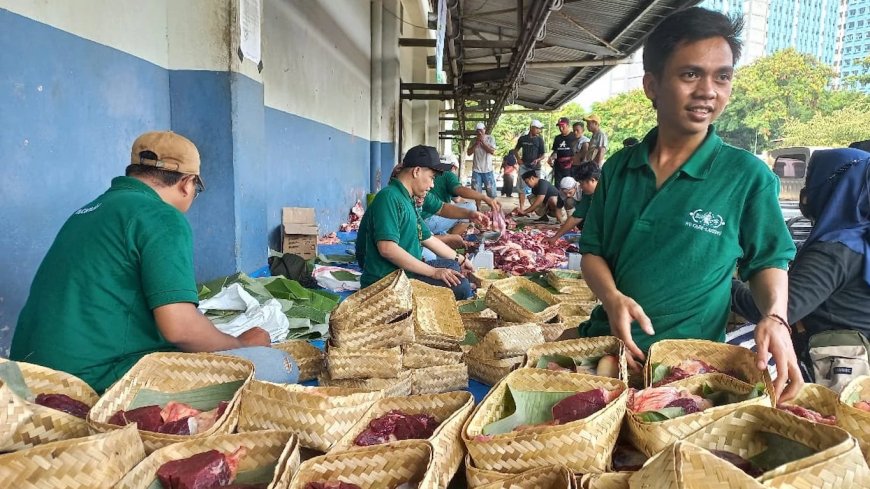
column 69, row 110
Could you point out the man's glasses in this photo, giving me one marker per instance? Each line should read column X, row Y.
column 197, row 182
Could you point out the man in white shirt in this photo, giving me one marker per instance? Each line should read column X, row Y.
column 482, row 149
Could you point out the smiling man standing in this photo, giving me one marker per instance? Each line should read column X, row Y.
column 673, row 215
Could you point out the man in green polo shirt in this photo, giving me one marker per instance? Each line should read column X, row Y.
column 392, row 233
column 673, row 215
column 588, row 173
column 447, row 186
column 118, row 282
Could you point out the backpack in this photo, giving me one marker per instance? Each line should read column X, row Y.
column 293, row 267
column 838, row 356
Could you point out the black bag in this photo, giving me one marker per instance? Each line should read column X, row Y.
column 293, row 267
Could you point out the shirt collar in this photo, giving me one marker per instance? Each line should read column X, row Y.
column 396, row 183
column 698, row 165
column 130, row 183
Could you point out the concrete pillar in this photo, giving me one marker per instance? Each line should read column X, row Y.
column 390, row 88
column 376, row 107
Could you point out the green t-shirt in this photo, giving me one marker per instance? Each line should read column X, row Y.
column 431, row 206
column 581, row 207
column 391, row 216
column 89, row 311
column 445, row 186
column 673, row 250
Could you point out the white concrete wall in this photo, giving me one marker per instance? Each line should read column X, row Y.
column 317, row 61
column 142, row 28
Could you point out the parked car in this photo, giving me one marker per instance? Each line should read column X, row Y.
column 790, row 165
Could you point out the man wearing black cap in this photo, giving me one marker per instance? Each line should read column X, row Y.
column 392, row 233
column 562, row 157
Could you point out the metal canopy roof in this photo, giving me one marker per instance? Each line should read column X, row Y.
column 536, row 53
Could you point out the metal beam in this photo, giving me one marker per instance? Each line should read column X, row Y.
column 438, row 87
column 580, row 63
column 552, row 40
column 468, row 43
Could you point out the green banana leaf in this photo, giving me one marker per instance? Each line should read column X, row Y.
column 529, row 301
column 560, row 360
column 662, row 414
column 344, row 276
column 470, row 339
column 528, row 408
column 853, row 398
column 336, row 259
column 478, row 305
column 780, row 451
column 723, row 397
column 204, row 398
column 659, row 372
column 260, row 475
column 302, row 329
column 11, row 375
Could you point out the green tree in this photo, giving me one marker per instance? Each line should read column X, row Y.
column 628, row 114
column 857, row 81
column 772, row 90
column 836, row 129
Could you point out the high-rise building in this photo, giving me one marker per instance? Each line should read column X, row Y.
column 854, row 41
column 809, row 26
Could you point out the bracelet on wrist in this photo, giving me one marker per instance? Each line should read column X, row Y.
column 780, row 320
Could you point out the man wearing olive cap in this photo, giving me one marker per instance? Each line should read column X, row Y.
column 118, row 281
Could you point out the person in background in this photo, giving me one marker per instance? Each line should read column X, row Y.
column 481, row 150
column 598, row 142
column 673, row 215
column 562, row 157
column 392, row 232
column 629, row 142
column 829, row 280
column 509, row 172
column 532, row 152
column 581, row 144
column 118, row 282
column 570, row 191
column 588, row 173
column 545, row 200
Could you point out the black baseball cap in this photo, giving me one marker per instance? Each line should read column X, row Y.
column 425, row 157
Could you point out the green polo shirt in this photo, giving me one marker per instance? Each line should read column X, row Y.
column 444, row 190
column 391, row 216
column 581, row 207
column 431, row 205
column 674, row 250
column 89, row 311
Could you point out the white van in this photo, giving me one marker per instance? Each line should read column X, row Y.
column 790, row 165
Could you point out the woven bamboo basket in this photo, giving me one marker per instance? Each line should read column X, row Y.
column 481, row 326
column 683, row 465
column 837, row 462
column 386, row 335
column 437, row 322
column 318, row 416
column 475, row 308
column 308, row 357
column 484, row 277
column 451, row 409
column 47, row 424
column 511, row 341
column 363, row 363
column 93, row 462
column 584, row 445
column 500, row 299
column 727, row 358
column 420, row 356
column 852, row 419
column 14, row 413
column 568, row 281
column 540, row 478
column 582, row 348
column 552, row 331
column 608, row 480
column 440, row 378
column 382, row 302
column 487, row 369
column 379, row 466
column 818, row 398
column 264, row 448
column 651, row 438
column 475, row 477
column 392, row 387
column 168, row 373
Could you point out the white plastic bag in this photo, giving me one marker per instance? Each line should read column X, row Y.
column 324, row 276
column 268, row 315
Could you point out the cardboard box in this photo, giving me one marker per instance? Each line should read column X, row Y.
column 300, row 232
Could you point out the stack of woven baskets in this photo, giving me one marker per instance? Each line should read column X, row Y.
column 398, row 335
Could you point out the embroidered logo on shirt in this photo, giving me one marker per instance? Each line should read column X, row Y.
column 85, row 210
column 706, row 221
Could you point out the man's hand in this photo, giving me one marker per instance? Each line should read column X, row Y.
column 255, row 336
column 772, row 338
column 480, row 219
column 551, row 240
column 448, row 276
column 466, row 266
column 493, row 204
column 621, row 311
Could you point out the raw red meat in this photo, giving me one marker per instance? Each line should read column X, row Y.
column 862, row 405
column 329, row 239
column 689, row 405
column 174, row 410
column 497, row 220
column 396, row 425
column 686, row 369
column 183, row 426
column 523, row 252
column 353, row 218
column 808, row 414
column 655, row 398
column 147, row 418
column 739, row 462
column 207, row 419
column 581, row 405
column 331, row 485
column 65, row 403
column 205, row 470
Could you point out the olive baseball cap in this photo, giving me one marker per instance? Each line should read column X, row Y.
column 173, row 152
